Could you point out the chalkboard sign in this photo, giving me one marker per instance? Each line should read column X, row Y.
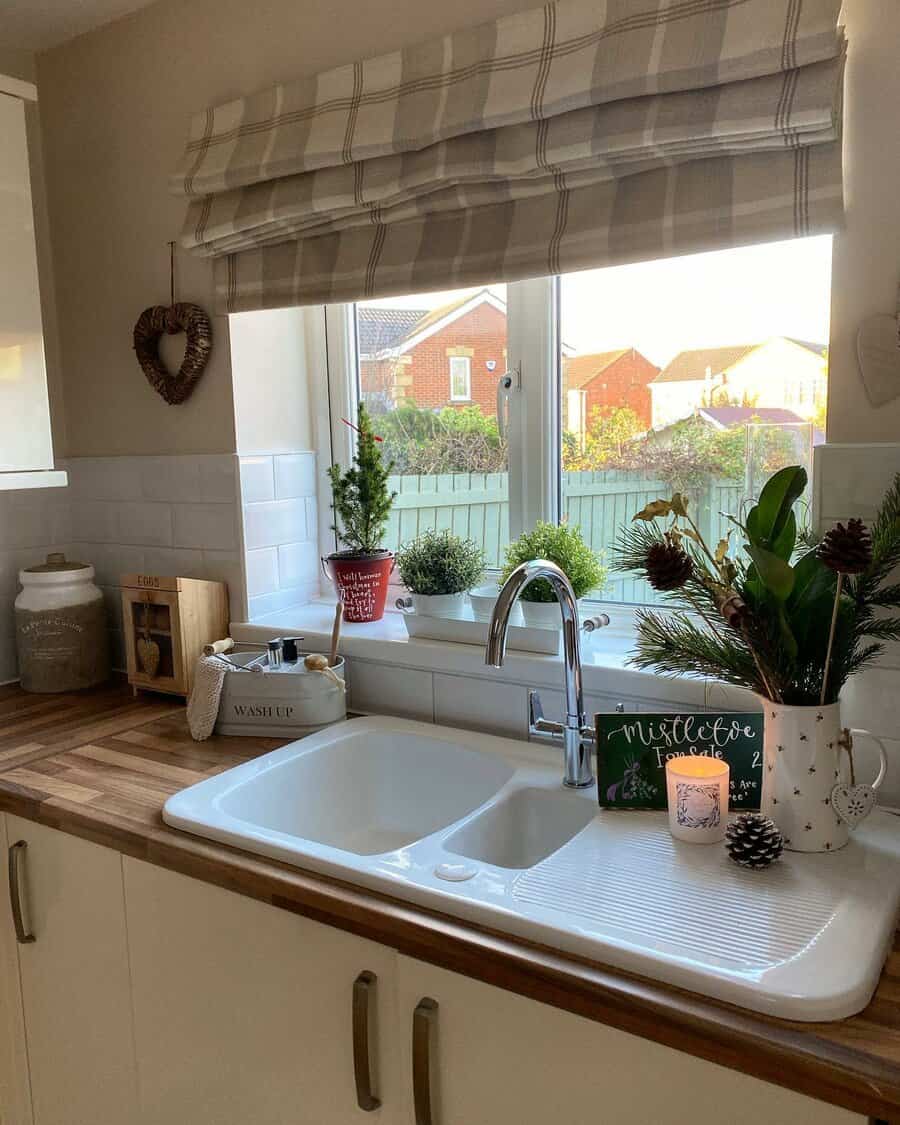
column 632, row 752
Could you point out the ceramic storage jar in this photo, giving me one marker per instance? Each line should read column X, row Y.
column 61, row 635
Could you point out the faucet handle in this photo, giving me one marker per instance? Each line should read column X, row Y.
column 537, row 724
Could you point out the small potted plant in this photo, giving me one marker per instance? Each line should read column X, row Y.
column 361, row 502
column 438, row 568
column 565, row 546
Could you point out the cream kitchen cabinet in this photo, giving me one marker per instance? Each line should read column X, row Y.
column 244, row 1013
column 26, row 449
column 483, row 1056
column 74, row 980
column 149, row 998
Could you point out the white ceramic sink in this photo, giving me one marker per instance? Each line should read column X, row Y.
column 372, row 791
column 481, row 827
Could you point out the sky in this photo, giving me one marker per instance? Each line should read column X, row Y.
column 703, row 300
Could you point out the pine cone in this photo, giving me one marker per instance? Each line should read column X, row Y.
column 846, row 550
column 668, row 565
column 753, row 840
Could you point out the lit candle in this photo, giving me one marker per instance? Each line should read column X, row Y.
column 697, row 792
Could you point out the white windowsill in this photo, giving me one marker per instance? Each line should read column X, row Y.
column 386, row 642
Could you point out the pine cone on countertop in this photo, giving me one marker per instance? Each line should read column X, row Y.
column 846, row 550
column 668, row 565
column 753, row 840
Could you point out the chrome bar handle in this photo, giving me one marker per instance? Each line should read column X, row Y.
column 363, row 991
column 17, row 853
column 424, row 1024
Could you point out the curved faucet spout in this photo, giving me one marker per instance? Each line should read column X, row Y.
column 578, row 752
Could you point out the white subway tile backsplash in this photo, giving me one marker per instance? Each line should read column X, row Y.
column 298, row 563
column 228, row 566
column 257, row 480
column 263, row 604
column 262, row 571
column 169, row 479
column 111, row 560
column 210, row 526
column 274, row 522
column 105, row 478
column 143, row 523
column 295, row 475
column 486, row 705
column 176, row 561
column 388, row 691
column 94, row 521
column 218, row 481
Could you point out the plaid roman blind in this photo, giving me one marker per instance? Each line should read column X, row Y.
column 580, row 134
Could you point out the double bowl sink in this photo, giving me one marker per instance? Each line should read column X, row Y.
column 481, row 827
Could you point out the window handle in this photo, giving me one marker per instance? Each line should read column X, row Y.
column 424, row 1024
column 508, row 382
column 17, row 853
column 363, row 992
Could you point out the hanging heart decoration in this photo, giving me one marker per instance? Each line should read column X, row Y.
column 148, row 656
column 853, row 803
column 159, row 320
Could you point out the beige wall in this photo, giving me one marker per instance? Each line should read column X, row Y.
column 115, row 105
column 866, row 265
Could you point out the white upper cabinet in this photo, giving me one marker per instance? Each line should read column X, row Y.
column 26, row 449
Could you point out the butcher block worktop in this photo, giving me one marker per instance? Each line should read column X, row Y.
column 101, row 764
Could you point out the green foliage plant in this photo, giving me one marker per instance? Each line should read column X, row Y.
column 763, row 608
column 439, row 562
column 361, row 499
column 563, row 545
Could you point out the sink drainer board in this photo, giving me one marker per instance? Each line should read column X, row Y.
column 632, row 880
column 387, row 803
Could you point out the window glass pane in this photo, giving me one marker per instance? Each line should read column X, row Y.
column 428, row 372
column 701, row 374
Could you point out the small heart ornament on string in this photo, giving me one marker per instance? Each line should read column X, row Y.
column 853, row 803
column 878, row 353
column 148, row 656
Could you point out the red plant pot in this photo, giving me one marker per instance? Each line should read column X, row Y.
column 360, row 582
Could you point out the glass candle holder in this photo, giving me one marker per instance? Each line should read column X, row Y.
column 697, row 792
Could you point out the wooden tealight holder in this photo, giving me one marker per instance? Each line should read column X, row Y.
column 167, row 622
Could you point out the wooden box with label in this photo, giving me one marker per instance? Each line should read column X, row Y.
column 167, row 621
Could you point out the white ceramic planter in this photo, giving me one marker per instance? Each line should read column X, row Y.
column 804, row 758
column 483, row 599
column 543, row 615
column 439, row 605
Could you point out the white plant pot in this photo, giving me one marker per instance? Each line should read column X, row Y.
column 804, row 759
column 543, row 615
column 483, row 599
column 439, row 605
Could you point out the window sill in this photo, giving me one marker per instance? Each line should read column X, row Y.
column 604, row 657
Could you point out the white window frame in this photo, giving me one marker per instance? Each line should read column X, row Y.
column 534, row 361
column 466, row 361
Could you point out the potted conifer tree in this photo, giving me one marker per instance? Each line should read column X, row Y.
column 361, row 502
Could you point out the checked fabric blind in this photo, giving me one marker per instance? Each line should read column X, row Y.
column 580, row 134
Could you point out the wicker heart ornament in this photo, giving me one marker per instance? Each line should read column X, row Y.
column 159, row 320
column 148, row 656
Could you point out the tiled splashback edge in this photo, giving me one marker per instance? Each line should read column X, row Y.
column 280, row 524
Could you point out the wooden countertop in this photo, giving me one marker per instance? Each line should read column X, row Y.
column 101, row 764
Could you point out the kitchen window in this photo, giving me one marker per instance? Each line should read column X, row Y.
column 584, row 396
column 460, row 378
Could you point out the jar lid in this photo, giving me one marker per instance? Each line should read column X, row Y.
column 56, row 563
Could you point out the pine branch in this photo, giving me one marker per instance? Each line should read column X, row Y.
column 674, row 646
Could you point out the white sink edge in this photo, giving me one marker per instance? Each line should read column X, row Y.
column 774, row 991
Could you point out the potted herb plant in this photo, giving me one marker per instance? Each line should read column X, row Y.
column 565, row 546
column 361, row 502
column 438, row 568
column 791, row 622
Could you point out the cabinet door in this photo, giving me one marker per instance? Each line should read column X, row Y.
column 243, row 1012
column 24, row 409
column 75, row 981
column 15, row 1094
column 497, row 1057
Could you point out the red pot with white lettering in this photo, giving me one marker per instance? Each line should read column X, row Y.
column 360, row 582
